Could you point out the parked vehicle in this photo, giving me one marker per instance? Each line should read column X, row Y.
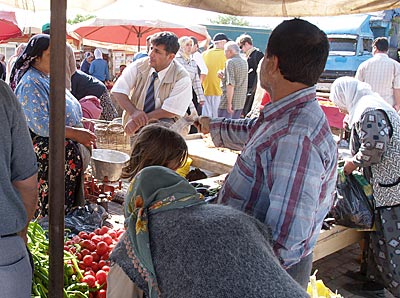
column 350, row 41
column 350, row 38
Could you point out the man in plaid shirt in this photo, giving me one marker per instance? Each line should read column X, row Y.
column 286, row 173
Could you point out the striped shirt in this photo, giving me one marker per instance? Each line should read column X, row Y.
column 382, row 73
column 286, row 173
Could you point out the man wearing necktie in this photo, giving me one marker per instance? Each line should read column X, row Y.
column 154, row 87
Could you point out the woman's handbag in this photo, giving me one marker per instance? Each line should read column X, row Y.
column 354, row 203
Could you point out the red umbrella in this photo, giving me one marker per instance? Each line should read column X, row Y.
column 132, row 31
column 8, row 25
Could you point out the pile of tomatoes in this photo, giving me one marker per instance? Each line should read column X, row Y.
column 92, row 251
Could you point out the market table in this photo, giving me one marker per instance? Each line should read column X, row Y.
column 220, row 162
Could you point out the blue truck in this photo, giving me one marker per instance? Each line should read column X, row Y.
column 350, row 44
column 350, row 38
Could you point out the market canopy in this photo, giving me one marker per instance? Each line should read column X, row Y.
column 288, row 8
column 8, row 26
column 38, row 5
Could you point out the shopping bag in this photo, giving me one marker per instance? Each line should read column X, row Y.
column 354, row 203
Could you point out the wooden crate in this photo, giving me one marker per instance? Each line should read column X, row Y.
column 330, row 241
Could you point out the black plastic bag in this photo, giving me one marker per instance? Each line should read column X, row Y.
column 82, row 218
column 354, row 203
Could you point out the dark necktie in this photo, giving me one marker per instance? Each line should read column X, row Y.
column 149, row 102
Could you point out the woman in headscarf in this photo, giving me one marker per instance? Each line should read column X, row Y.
column 99, row 67
column 178, row 246
column 10, row 64
column 184, row 57
column 31, row 76
column 375, row 146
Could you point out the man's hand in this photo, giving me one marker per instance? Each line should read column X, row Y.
column 229, row 108
column 137, row 120
column 349, row 167
column 202, row 123
column 220, row 74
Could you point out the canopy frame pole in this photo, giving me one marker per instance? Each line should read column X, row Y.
column 56, row 147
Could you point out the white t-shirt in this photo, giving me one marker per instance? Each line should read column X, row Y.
column 180, row 96
column 200, row 63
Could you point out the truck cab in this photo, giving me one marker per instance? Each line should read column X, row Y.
column 350, row 41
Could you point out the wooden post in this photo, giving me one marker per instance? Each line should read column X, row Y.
column 56, row 147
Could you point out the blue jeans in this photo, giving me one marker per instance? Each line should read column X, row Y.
column 15, row 268
column 301, row 271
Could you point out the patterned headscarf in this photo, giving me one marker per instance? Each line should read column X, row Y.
column 154, row 189
column 35, row 48
column 355, row 96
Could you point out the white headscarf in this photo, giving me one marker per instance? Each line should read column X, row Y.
column 98, row 54
column 355, row 96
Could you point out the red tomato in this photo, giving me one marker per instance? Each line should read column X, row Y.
column 101, row 294
column 95, row 267
column 79, row 256
column 85, row 252
column 102, row 263
column 97, row 231
column 88, row 244
column 81, row 265
column 66, row 247
column 105, row 257
column 107, row 239
column 89, row 272
column 102, row 248
column 105, row 268
column 88, row 260
column 90, row 280
column 104, row 230
column 112, row 233
column 95, row 256
column 96, row 239
column 83, row 235
column 101, row 277
column 91, row 235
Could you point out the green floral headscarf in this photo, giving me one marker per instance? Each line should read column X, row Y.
column 154, row 189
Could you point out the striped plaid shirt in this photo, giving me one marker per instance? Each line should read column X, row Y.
column 286, row 173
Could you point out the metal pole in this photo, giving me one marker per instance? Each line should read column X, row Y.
column 56, row 147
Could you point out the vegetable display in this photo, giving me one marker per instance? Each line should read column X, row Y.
column 86, row 263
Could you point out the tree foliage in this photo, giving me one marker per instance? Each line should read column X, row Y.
column 230, row 20
column 80, row 18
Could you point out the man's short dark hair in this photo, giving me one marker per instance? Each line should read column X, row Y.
column 301, row 48
column 195, row 41
column 381, row 43
column 168, row 39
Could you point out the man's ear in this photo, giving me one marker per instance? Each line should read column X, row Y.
column 171, row 56
column 274, row 63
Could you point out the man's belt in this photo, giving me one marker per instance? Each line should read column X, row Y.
column 8, row 235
